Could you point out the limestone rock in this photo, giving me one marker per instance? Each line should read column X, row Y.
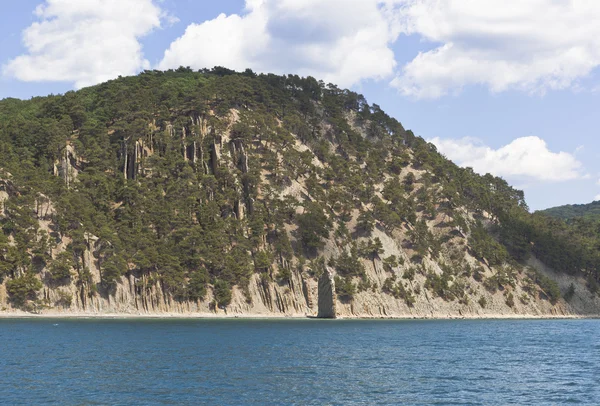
column 69, row 165
column 327, row 297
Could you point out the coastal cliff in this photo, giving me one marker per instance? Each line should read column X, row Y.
column 225, row 194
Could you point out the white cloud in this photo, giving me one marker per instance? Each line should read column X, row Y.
column 340, row 41
column 85, row 41
column 533, row 45
column 524, row 158
column 597, row 198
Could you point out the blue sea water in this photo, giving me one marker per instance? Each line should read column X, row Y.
column 174, row 362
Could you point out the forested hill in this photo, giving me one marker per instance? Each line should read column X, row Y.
column 590, row 211
column 221, row 191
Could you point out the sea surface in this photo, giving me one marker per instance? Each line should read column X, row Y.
column 320, row 362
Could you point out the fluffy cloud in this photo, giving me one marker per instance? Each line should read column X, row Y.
column 340, row 41
column 85, row 41
column 533, row 45
column 526, row 157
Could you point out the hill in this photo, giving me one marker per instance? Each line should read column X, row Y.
column 218, row 192
column 590, row 211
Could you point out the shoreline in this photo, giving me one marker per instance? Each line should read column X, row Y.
column 254, row 316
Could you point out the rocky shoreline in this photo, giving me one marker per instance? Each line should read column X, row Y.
column 256, row 316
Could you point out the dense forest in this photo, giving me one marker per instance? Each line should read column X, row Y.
column 590, row 211
column 197, row 181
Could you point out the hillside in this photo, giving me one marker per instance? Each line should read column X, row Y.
column 590, row 211
column 218, row 192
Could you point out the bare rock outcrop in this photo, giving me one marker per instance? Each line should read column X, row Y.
column 327, row 297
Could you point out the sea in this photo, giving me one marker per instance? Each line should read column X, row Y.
column 299, row 362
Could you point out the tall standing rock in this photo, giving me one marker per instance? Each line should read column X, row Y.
column 327, row 297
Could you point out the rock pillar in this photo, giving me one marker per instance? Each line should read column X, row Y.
column 327, row 296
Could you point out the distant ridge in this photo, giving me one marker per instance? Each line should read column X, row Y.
column 590, row 211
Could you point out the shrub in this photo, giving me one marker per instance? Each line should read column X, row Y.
column 222, row 293
column 65, row 299
column 397, row 290
column 409, row 274
column 548, row 286
column 284, row 275
column 60, row 268
column 348, row 265
column 569, row 293
column 23, row 288
column 313, row 227
column 390, row 263
column 510, row 300
column 592, row 285
column 344, row 288
column 482, row 302
column 197, row 284
column 262, row 261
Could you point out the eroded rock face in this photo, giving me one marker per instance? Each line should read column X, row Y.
column 69, row 165
column 327, row 297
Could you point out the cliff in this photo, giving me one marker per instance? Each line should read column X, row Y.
column 225, row 194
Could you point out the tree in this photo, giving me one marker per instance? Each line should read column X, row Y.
column 222, row 293
column 60, row 268
column 23, row 288
column 197, row 284
column 314, row 226
column 365, row 223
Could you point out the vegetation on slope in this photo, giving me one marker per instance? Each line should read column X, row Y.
column 184, row 178
column 590, row 211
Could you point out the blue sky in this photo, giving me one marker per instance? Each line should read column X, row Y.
column 488, row 82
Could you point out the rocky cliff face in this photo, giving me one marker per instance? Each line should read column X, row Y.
column 305, row 294
column 247, row 195
column 327, row 308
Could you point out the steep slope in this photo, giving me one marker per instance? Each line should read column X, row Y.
column 217, row 192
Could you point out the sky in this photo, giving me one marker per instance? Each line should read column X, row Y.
column 508, row 87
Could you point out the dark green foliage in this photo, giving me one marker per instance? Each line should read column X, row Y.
column 222, row 292
column 500, row 280
column 397, row 289
column 409, row 273
column 365, row 223
column 390, row 263
column 482, row 302
column 568, row 295
column 61, row 266
column 197, row 284
column 549, row 288
column 348, row 264
column 23, row 288
column 314, row 226
column 590, row 211
column 284, row 275
column 423, row 240
column 65, row 299
column 371, row 249
column 344, row 288
column 113, row 268
column 262, row 261
column 485, row 247
column 510, row 300
column 444, row 286
column 593, row 285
